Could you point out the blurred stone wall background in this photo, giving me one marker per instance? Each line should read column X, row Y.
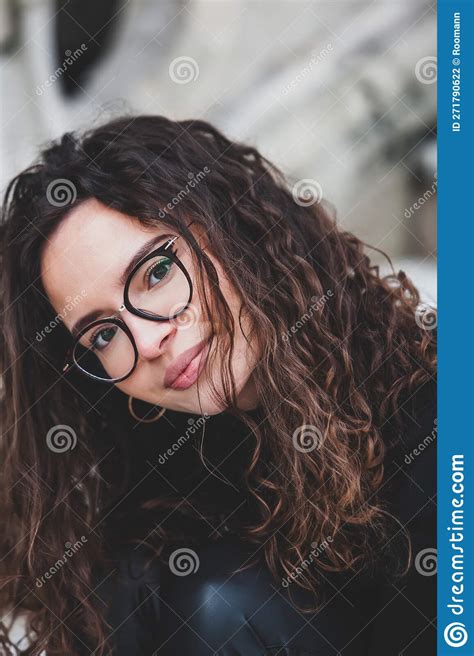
column 340, row 93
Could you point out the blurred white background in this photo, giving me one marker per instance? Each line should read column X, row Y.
column 342, row 93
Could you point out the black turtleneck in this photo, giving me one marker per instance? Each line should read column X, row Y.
column 212, row 611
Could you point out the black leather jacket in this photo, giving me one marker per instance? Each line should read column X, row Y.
column 213, row 610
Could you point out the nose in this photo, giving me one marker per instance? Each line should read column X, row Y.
column 151, row 337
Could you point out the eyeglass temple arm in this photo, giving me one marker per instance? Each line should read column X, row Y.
column 171, row 241
column 68, row 358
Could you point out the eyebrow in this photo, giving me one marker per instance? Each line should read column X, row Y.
column 142, row 251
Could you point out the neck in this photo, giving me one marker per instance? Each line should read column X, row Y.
column 247, row 397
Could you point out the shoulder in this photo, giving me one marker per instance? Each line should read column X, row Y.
column 409, row 484
column 129, row 590
column 405, row 607
column 418, row 414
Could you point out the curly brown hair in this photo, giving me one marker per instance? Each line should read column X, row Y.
column 341, row 350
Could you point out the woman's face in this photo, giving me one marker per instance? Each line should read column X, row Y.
column 85, row 260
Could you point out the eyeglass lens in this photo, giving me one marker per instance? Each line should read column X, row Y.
column 158, row 288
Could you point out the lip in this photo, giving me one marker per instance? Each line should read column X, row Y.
column 184, row 371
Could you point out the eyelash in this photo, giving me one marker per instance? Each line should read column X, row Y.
column 94, row 337
column 173, row 251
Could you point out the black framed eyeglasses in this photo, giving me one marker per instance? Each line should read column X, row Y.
column 158, row 288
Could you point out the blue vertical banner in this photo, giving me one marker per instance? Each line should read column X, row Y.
column 456, row 327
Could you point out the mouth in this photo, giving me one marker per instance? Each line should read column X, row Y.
column 185, row 370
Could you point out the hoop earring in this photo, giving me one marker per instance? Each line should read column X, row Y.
column 140, row 419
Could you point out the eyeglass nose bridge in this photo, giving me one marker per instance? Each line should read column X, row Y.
column 126, row 305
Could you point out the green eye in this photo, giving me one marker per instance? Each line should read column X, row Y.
column 158, row 271
column 103, row 337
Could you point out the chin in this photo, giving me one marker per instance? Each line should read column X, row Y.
column 205, row 404
column 199, row 399
column 192, row 401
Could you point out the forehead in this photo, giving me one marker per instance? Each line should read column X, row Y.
column 87, row 254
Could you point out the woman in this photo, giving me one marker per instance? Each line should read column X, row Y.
column 210, row 400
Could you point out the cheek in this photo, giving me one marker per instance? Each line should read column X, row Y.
column 244, row 357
